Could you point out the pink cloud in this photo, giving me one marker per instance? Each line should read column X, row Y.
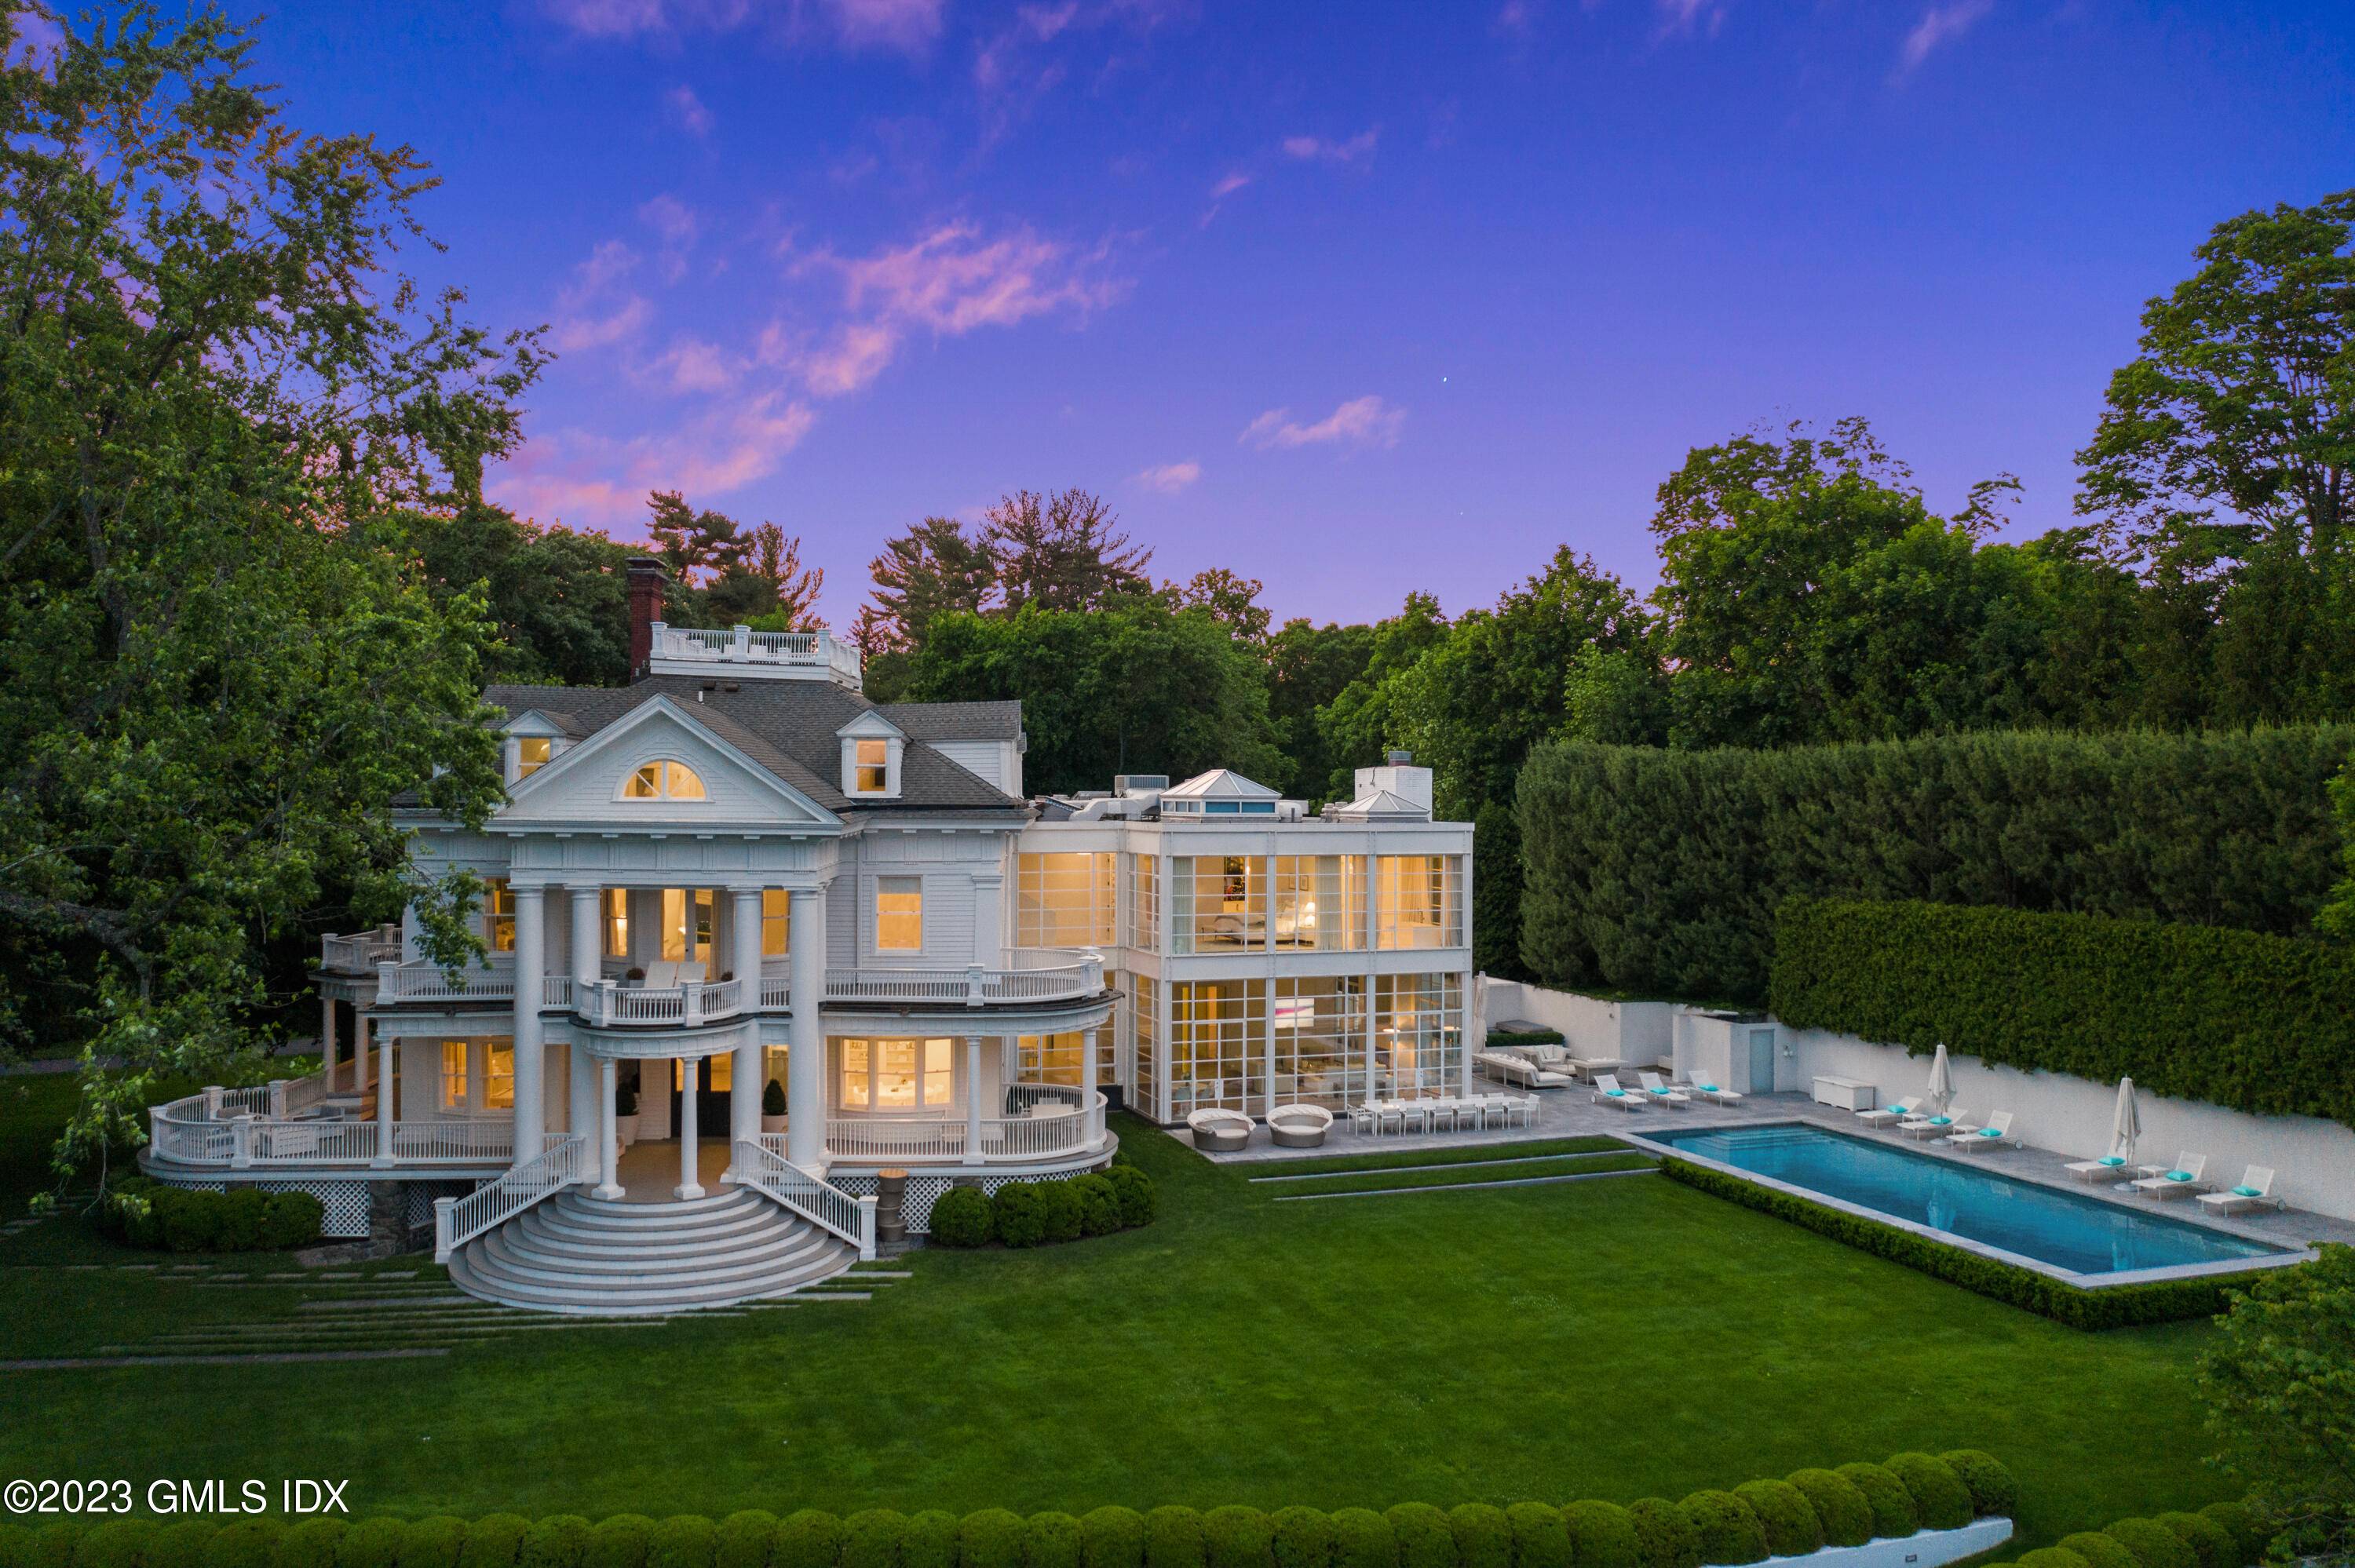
column 1230, row 185
column 689, row 111
column 1691, row 15
column 691, row 365
column 1170, row 478
column 677, row 225
column 594, row 480
column 856, row 353
column 1939, row 25
column 907, row 25
column 1366, row 421
column 594, row 310
column 1315, row 147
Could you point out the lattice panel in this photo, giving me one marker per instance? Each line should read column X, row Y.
column 922, row 1191
column 345, row 1205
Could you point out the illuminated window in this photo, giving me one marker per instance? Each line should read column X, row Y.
column 664, row 781
column 1143, row 1011
column 453, row 1074
column 1319, row 903
column 532, row 752
column 498, row 916
column 1417, row 1035
column 1419, row 901
column 1050, row 1058
column 899, row 914
column 1217, row 1046
column 719, row 1074
column 776, row 923
column 499, row 1075
column 1217, row 902
column 874, row 762
column 1063, row 900
column 617, row 922
column 897, row 1074
column 1144, row 902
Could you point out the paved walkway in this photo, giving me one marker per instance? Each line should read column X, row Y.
column 1571, row 1113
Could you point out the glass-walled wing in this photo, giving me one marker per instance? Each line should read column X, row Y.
column 1218, row 1032
column 1318, row 903
column 1319, row 1022
column 1419, row 901
column 1064, row 900
column 1417, row 1035
column 1216, row 903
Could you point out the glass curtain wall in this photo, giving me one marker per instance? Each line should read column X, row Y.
column 1216, row 903
column 1318, row 903
column 1418, row 1035
column 1320, row 1040
column 1064, row 900
column 1146, row 1009
column 1145, row 903
column 1218, row 1044
column 1419, row 901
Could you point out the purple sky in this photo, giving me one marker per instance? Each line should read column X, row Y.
column 1355, row 300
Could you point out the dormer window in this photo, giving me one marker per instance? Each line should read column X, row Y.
column 874, row 767
column 532, row 754
column 664, row 781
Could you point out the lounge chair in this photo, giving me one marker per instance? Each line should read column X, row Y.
column 2255, row 1191
column 2108, row 1168
column 1889, row 1116
column 2184, row 1178
column 1661, row 1092
column 1607, row 1092
column 1700, row 1086
column 1299, row 1126
column 1996, row 1134
column 1944, row 1125
column 1218, row 1131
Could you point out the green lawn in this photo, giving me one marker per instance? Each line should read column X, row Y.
column 1610, row 1339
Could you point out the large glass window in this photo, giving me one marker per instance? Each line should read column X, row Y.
column 1216, row 1029
column 1049, row 1058
column 1320, row 1038
column 776, row 922
column 454, row 1074
column 1318, row 903
column 1145, row 902
column 1063, row 900
column 899, row 914
column 1147, row 1009
column 617, row 922
column 1417, row 1035
column 498, row 916
column 897, row 1074
column 1217, row 902
column 687, row 920
column 532, row 753
column 664, row 781
column 1419, row 900
column 717, row 1075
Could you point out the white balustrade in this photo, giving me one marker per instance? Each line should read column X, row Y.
column 742, row 645
column 758, row 1165
column 361, row 951
column 1056, row 1128
column 457, row 1221
column 1068, row 980
column 696, row 1002
column 429, row 982
column 556, row 990
column 214, row 1129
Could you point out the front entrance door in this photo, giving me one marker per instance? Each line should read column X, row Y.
column 1762, row 1061
column 713, row 1081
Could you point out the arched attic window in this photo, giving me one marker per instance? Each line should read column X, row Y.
column 664, row 780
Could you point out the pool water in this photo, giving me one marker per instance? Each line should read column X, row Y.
column 2080, row 1233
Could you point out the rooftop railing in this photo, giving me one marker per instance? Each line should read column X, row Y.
column 817, row 653
column 360, row 952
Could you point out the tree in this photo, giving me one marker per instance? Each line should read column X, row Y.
column 1063, row 551
column 776, row 560
column 2338, row 917
column 1353, row 729
column 2225, row 447
column 216, row 682
column 1228, row 597
column 557, row 600
column 931, row 569
column 2280, row 1386
column 1307, row 666
column 692, row 541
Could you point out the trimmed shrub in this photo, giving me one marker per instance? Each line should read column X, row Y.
column 1302, row 1537
column 806, row 1538
column 1059, row 1213
column 1602, row 1535
column 1015, row 1214
column 1792, row 1528
column 1729, row 1531
column 1053, row 1540
column 1099, row 1205
column 15, row 1545
column 290, row 1220
column 435, row 1542
column 1362, row 1539
column 1841, row 1511
column 961, row 1218
column 1139, row 1201
column 51, row 1546
column 931, row 1540
column 1235, row 1536
column 1483, row 1537
column 377, row 1543
column 494, row 1540
column 619, row 1541
column 1894, row 1513
column 1424, row 1536
column 1666, row 1536
column 871, row 1537
column 119, row 1543
column 2153, row 1544
column 746, row 1537
column 1994, row 1493
column 249, row 1543
column 556, row 1541
column 185, row 1542
column 2113, row 1306
column 2211, row 1542
column 993, row 1538
column 1541, row 1539
column 1112, row 1537
column 313, row 1542
column 2241, row 1524
column 2098, row 1549
column 1172, row 1536
column 2051, row 1557
column 1938, row 1493
column 682, row 1540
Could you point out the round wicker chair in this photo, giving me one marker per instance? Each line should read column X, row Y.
column 1299, row 1126
column 1220, row 1131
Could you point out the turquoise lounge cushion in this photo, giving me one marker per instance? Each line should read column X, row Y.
column 1942, row 1121
column 1616, row 1093
column 1705, row 1088
column 1989, row 1132
column 2246, row 1192
column 2179, row 1175
column 2111, row 1160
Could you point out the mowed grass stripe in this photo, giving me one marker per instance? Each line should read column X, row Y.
column 1420, row 1159
column 1489, row 1175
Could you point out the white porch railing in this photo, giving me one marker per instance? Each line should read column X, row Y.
column 427, row 982
column 556, row 990
column 697, row 1001
column 760, row 1166
column 457, row 1221
column 215, row 1129
column 742, row 645
column 361, row 951
column 1068, row 980
column 1053, row 1129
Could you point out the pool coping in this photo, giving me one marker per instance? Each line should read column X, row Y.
column 2284, row 1258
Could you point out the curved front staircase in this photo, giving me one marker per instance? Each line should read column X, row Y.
column 591, row 1256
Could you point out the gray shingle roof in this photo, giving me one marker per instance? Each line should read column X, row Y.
column 788, row 727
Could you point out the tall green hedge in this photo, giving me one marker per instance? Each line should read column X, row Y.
column 2256, row 1023
column 1711, row 1527
column 1660, row 872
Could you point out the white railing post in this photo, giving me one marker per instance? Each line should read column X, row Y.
column 691, row 993
column 442, row 1247
column 241, row 1144
column 867, row 1227
column 740, row 641
column 973, row 985
column 277, row 1099
column 213, row 1102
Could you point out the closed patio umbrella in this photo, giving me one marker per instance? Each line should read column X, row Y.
column 1942, row 1081
column 2126, row 1126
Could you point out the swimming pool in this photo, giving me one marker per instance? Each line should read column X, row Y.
column 2069, row 1231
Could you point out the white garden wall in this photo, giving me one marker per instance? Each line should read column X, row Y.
column 2052, row 1111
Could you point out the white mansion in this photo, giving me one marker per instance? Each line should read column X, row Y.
column 737, row 871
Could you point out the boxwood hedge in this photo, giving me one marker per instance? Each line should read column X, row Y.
column 1668, row 1537
column 1043, row 1214
column 1725, row 1530
column 1792, row 1528
column 2221, row 1535
column 1840, row 1508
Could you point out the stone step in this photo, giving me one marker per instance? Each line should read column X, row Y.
column 518, row 1257
column 568, row 1230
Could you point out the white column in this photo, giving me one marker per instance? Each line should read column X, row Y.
column 530, row 1056
column 608, row 1136
column 327, row 1039
column 805, row 1066
column 972, row 1099
column 744, row 1084
column 1087, row 1069
column 384, row 1085
column 587, row 926
column 690, row 1075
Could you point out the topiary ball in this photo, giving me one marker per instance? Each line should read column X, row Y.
column 1729, row 1531
column 2051, row 1557
column 2210, row 1541
column 2100, row 1551
column 1841, row 1509
column 1053, row 1540
column 1939, row 1493
column 806, row 1538
column 1362, row 1539
column 993, row 1538
column 1235, row 1536
column 2241, row 1524
column 959, row 1218
column 616, row 1542
column 1668, row 1538
column 1112, row 1537
column 556, row 1541
column 1895, row 1515
column 1602, row 1535
column 1483, row 1538
column 1994, row 1493
column 1300, row 1538
column 2153, row 1544
column 871, row 1537
column 1792, row 1528
column 1172, row 1536
column 494, row 1540
column 748, row 1538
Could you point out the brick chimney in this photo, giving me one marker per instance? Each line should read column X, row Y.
column 647, row 580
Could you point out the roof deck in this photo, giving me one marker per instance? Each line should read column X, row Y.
column 740, row 653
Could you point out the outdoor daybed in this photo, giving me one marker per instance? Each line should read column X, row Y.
column 1220, row 1131
column 1299, row 1126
